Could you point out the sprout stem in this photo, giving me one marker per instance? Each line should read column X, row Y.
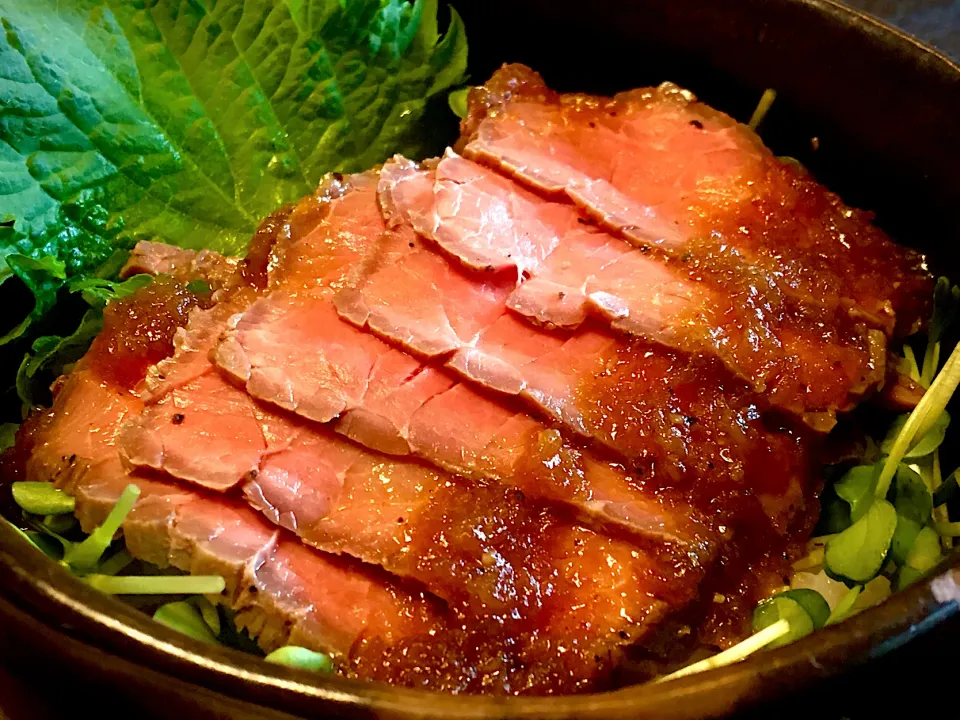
column 85, row 555
column 763, row 107
column 157, row 584
column 115, row 563
column 950, row 529
column 926, row 412
column 811, row 561
column 941, row 516
column 737, row 653
column 931, row 359
column 913, row 369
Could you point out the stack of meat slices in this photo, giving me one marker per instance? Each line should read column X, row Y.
column 481, row 423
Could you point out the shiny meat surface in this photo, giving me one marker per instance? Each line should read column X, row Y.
column 155, row 258
column 506, row 564
column 798, row 358
column 289, row 348
column 326, row 604
column 665, row 171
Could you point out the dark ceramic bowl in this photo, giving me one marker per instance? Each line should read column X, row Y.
column 884, row 111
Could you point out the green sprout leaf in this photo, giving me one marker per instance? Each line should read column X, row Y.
column 42, row 498
column 209, row 613
column 920, row 446
column 457, row 100
column 779, row 608
column 947, row 490
column 903, row 539
column 60, row 524
column 946, row 302
column 8, row 435
column 198, row 287
column 857, row 487
column 185, row 617
column 911, row 496
column 857, row 554
column 812, row 602
column 299, row 657
column 834, row 512
column 845, row 608
column 923, row 557
column 924, row 416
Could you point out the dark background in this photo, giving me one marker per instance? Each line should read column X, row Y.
column 918, row 668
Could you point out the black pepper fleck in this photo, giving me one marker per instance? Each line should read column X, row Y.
column 178, row 418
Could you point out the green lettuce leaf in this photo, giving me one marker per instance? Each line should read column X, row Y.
column 187, row 122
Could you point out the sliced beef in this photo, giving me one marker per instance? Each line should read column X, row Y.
column 511, row 569
column 499, row 549
column 378, row 397
column 289, row 348
column 668, row 172
column 807, row 364
column 327, row 604
column 285, row 593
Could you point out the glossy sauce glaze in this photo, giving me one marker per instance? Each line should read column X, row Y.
column 138, row 329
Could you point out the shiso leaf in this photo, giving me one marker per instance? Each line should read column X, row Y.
column 188, row 122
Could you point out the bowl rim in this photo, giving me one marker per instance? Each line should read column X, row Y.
column 62, row 603
column 42, row 590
